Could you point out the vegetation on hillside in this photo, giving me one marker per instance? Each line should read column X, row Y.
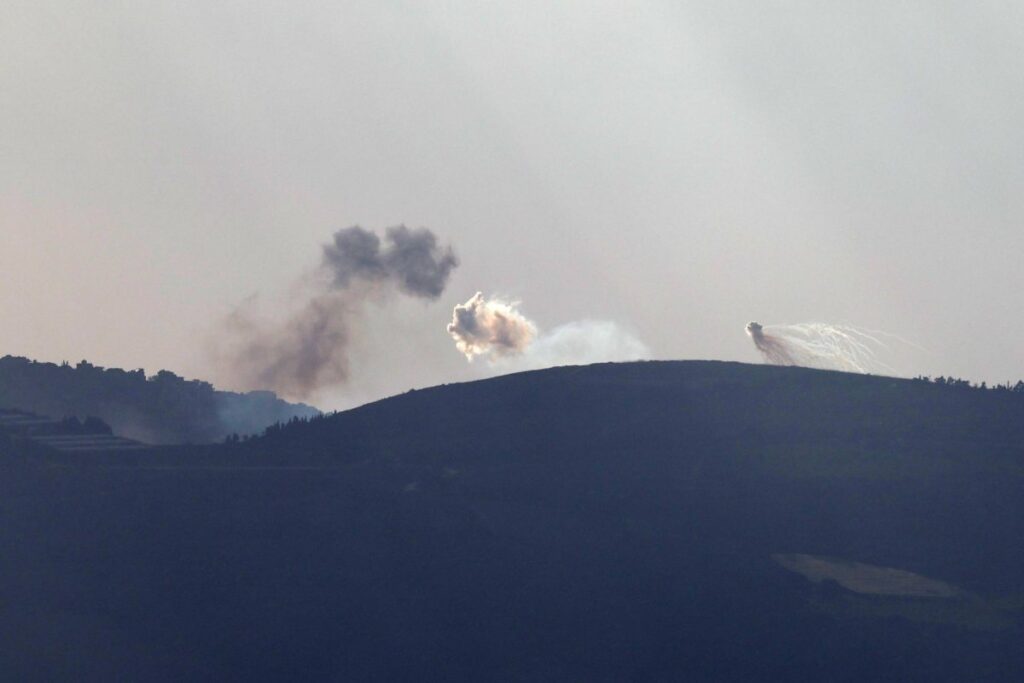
column 164, row 408
column 605, row 523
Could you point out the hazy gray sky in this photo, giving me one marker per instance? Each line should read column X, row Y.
column 677, row 167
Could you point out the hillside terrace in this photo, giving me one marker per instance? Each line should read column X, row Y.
column 63, row 436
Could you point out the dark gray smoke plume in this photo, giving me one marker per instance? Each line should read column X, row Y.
column 411, row 259
column 309, row 351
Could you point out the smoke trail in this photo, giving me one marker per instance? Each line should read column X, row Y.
column 819, row 345
column 308, row 351
column 497, row 330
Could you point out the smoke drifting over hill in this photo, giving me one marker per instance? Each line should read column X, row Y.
column 497, row 330
column 160, row 409
column 308, row 350
column 818, row 345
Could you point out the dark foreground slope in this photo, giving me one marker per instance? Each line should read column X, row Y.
column 649, row 522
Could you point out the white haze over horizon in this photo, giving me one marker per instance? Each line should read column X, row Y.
column 678, row 168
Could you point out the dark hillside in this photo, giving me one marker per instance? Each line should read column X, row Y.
column 163, row 408
column 660, row 521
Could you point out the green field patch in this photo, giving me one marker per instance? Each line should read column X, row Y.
column 885, row 592
column 866, row 578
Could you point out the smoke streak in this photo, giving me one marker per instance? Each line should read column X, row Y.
column 819, row 345
column 509, row 340
column 309, row 349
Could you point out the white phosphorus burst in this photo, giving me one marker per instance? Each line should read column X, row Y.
column 820, row 345
column 510, row 341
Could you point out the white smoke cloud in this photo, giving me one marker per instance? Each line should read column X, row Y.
column 580, row 343
column 493, row 328
column 510, row 341
column 820, row 345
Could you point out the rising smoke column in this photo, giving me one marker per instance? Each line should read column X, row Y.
column 509, row 340
column 818, row 345
column 309, row 350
